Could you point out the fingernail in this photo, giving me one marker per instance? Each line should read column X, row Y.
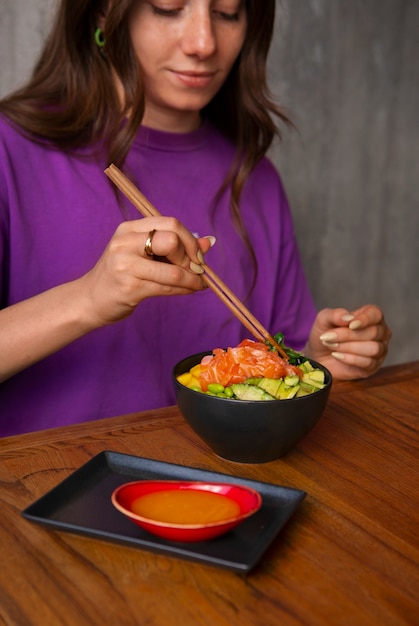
column 330, row 345
column 211, row 239
column 200, row 256
column 339, row 356
column 354, row 325
column 348, row 317
column 195, row 268
column 328, row 336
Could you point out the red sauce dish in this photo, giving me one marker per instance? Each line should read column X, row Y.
column 186, row 511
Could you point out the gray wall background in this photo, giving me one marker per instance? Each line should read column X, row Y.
column 348, row 72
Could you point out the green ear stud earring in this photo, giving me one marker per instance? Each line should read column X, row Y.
column 99, row 38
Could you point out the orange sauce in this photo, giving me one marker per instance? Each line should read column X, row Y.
column 185, row 507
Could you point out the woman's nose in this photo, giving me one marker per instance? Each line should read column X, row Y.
column 198, row 35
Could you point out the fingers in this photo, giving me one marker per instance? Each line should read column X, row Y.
column 132, row 262
column 365, row 316
column 135, row 259
column 166, row 239
column 332, row 338
column 367, row 323
column 127, row 272
column 166, row 246
column 366, row 350
column 361, row 318
column 357, row 340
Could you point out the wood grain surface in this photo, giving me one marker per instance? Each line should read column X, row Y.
column 349, row 555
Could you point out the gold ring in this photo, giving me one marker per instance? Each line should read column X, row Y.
column 148, row 250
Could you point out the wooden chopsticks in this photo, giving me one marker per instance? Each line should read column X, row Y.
column 213, row 281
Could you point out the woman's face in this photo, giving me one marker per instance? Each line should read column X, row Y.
column 186, row 49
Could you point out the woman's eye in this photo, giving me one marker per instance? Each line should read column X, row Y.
column 229, row 17
column 174, row 11
column 165, row 12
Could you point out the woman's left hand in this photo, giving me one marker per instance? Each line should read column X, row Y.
column 351, row 344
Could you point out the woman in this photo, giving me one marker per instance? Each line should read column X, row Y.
column 175, row 94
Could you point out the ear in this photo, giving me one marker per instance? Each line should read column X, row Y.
column 101, row 21
column 101, row 18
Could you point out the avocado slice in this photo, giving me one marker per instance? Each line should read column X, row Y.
column 270, row 385
column 305, row 388
column 313, row 381
column 317, row 375
column 306, row 366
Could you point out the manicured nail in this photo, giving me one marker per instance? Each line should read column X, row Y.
column 195, row 268
column 339, row 356
column 200, row 256
column 211, row 239
column 330, row 336
column 348, row 317
column 332, row 346
column 354, row 325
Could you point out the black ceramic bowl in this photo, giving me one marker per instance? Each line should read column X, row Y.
column 249, row 431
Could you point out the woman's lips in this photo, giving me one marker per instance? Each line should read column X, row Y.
column 194, row 79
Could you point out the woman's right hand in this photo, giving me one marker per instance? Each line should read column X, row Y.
column 124, row 275
column 32, row 329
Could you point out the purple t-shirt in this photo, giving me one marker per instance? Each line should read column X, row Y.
column 58, row 212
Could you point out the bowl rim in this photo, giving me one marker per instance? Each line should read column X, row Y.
column 188, row 485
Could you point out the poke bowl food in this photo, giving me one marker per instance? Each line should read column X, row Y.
column 247, row 403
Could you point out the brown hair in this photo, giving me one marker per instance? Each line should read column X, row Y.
column 71, row 99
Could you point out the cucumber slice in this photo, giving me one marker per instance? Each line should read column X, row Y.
column 250, row 392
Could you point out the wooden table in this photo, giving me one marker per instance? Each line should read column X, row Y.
column 349, row 556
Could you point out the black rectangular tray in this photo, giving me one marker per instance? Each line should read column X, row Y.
column 82, row 504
